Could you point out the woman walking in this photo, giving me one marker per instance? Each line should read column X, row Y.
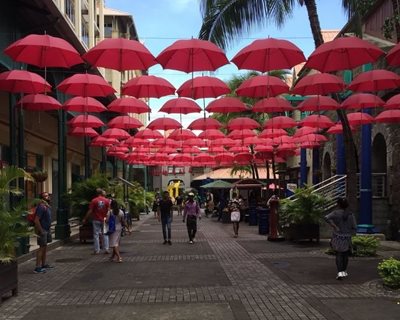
column 234, row 208
column 344, row 226
column 191, row 212
column 115, row 220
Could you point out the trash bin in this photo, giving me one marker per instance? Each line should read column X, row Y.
column 263, row 220
column 252, row 216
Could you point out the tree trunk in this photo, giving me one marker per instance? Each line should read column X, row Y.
column 314, row 22
column 396, row 16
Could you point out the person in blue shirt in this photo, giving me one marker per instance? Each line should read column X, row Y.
column 42, row 230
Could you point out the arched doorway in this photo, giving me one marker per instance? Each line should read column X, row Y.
column 326, row 167
column 379, row 166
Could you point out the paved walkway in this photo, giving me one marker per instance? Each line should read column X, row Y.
column 218, row 277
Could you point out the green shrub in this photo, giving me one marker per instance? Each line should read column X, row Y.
column 365, row 246
column 389, row 270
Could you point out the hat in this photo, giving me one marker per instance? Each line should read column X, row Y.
column 190, row 194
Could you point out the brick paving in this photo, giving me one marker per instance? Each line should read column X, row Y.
column 219, row 277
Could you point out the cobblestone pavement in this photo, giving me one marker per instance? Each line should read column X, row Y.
column 218, row 277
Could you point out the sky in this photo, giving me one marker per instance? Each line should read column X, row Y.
column 159, row 23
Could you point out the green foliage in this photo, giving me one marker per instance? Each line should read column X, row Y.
column 389, row 26
column 306, row 207
column 389, row 270
column 137, row 198
column 82, row 192
column 12, row 223
column 364, row 246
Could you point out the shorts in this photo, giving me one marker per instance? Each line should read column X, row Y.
column 44, row 238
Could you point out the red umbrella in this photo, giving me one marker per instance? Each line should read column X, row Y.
column 388, row 116
column 191, row 149
column 84, row 104
column 86, row 121
column 120, row 54
column 22, row 81
column 181, row 106
column 148, row 86
column 318, row 103
column 84, row 84
column 148, row 134
column 255, row 140
column 304, row 131
column 211, row 134
column 272, row 133
column 124, row 122
column 319, row 83
column 393, row 102
column 83, row 132
column 203, row 158
column 361, row 101
column 242, row 123
column 216, row 149
column 264, row 148
column 103, row 142
column 226, row 142
column 274, row 104
column 164, row 124
column 204, row 124
column 241, row 134
column 316, row 121
column 343, row 54
column 181, row 134
column 243, row 158
column 226, row 105
column 375, row 80
column 197, row 142
column 165, row 142
column 359, row 118
column 338, row 128
column 281, row 122
column 224, row 158
column 135, row 142
column 115, row 133
column 203, row 87
column 129, row 105
column 39, row 102
column 393, row 56
column 312, row 137
column 183, row 158
column 268, row 54
column 44, row 51
column 192, row 55
column 262, row 86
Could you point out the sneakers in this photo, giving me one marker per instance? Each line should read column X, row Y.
column 39, row 270
column 340, row 275
column 165, row 242
column 47, row 266
column 169, row 242
column 191, row 242
column 345, row 274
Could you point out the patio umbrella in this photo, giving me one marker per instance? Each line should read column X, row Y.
column 164, row 124
column 217, row 184
column 262, row 86
column 22, row 81
column 39, row 102
column 319, row 83
column 120, row 54
column 148, row 134
column 148, row 86
column 84, row 84
column 316, row 121
column 128, row 105
column 242, row 123
column 343, row 53
column 375, row 80
column 44, row 51
column 116, row 133
column 192, row 55
column 268, row 54
column 226, row 105
column 181, row 106
column 203, row 87
column 318, row 103
column 280, row 122
column 271, row 105
column 361, row 101
column 84, row 104
column 204, row 124
column 388, row 116
column 83, row 132
column 86, row 121
column 125, row 122
column 359, row 118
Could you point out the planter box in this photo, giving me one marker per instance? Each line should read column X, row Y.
column 297, row 232
column 8, row 279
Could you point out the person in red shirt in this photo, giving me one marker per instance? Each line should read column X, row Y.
column 98, row 209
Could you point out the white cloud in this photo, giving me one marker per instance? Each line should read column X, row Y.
column 182, row 5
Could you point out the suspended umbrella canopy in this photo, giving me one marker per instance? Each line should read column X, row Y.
column 226, row 142
column 125, row 122
column 148, row 134
column 254, row 141
column 375, row 80
column 393, row 56
column 191, row 149
column 319, row 83
column 216, row 149
column 338, row 128
column 148, row 86
column 203, row 87
column 164, row 124
column 388, row 116
column 181, row 106
column 135, row 142
column 316, row 121
column 84, row 104
column 44, row 51
column 242, row 123
column 22, row 81
column 264, row 148
column 182, row 158
column 196, row 142
column 192, row 55
column 224, row 158
column 86, row 121
column 359, row 118
column 243, row 158
column 272, row 133
column 262, row 86
column 280, row 122
column 85, row 85
column 310, row 144
column 181, row 134
column 226, row 105
column 165, row 142
column 39, row 102
column 203, row 158
column 116, row 133
column 211, row 134
column 269, row 54
column 312, row 137
column 241, row 134
column 361, row 101
column 344, row 53
column 204, row 124
column 274, row 104
column 304, row 131
column 239, row 149
column 120, row 54
column 318, row 103
column 393, row 102
column 166, row 149
column 129, row 105
column 83, row 132
column 103, row 142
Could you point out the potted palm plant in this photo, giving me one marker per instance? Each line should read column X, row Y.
column 300, row 216
column 12, row 227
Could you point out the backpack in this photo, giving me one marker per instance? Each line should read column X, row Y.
column 111, row 224
column 31, row 216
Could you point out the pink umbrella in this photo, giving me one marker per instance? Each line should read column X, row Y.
column 86, row 121
column 241, row 134
column 203, row 87
column 319, row 83
column 316, row 121
column 135, row 142
column 22, row 81
column 361, row 101
column 359, row 118
column 148, row 86
column 262, row 86
column 116, row 133
column 338, row 128
column 393, row 56
column 129, row 105
column 243, row 158
column 226, row 142
column 84, row 104
column 181, row 106
column 281, row 122
column 39, row 102
column 242, row 123
column 211, row 134
column 375, row 80
column 274, row 104
column 103, row 142
column 388, row 116
column 165, row 142
column 124, row 122
column 204, row 124
column 224, row 158
column 86, row 85
column 83, row 132
column 304, row 131
column 148, row 134
column 181, row 134
column 191, row 149
column 164, row 124
column 272, row 133
column 226, row 105
column 318, row 103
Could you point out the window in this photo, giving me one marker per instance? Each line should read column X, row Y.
column 85, row 33
column 107, row 30
column 179, row 170
column 70, row 10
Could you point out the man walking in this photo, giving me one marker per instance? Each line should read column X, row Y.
column 98, row 209
column 165, row 214
column 191, row 212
